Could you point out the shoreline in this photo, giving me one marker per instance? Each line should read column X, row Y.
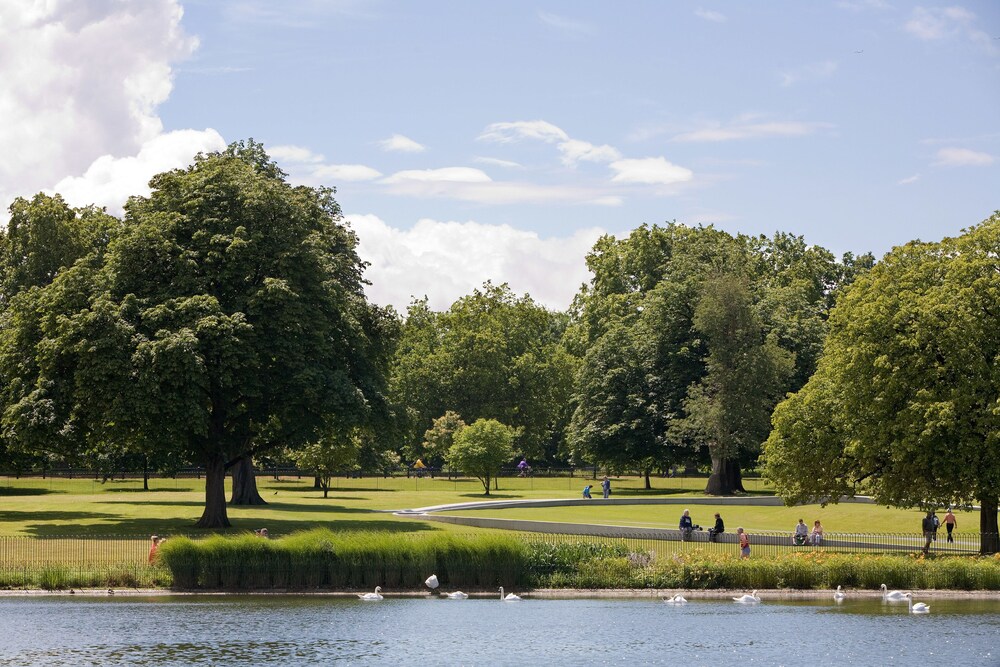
column 538, row 594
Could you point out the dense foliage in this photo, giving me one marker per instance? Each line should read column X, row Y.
column 905, row 404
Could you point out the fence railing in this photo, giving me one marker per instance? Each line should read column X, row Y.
column 18, row 551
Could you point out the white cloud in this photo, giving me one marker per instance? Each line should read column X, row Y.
column 710, row 15
column 810, row 72
column 963, row 157
column 110, row 181
column 650, row 171
column 947, row 22
column 508, row 164
column 294, row 154
column 310, row 168
column 447, row 260
column 80, row 80
column 736, row 131
column 607, row 200
column 574, row 150
column 508, row 132
column 397, row 143
column 566, row 25
column 473, row 185
column 908, row 180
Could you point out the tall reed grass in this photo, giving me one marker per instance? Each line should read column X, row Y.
column 323, row 559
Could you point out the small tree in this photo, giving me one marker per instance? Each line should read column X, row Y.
column 327, row 458
column 439, row 438
column 481, row 448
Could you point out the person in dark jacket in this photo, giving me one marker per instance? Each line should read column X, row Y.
column 719, row 527
column 686, row 525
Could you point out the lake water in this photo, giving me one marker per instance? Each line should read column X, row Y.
column 279, row 630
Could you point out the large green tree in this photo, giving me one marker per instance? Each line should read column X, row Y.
column 905, row 404
column 644, row 353
column 227, row 319
column 492, row 355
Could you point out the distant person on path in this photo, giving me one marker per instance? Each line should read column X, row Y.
column 717, row 529
column 606, row 486
column 817, row 533
column 744, row 543
column 949, row 523
column 686, row 526
column 801, row 535
column 586, row 491
column 937, row 522
column 523, row 468
column 927, row 525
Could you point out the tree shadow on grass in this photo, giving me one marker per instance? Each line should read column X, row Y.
column 49, row 515
column 142, row 528
column 20, row 491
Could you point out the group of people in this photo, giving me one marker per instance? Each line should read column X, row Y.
column 687, row 526
column 803, row 536
column 605, row 488
column 930, row 524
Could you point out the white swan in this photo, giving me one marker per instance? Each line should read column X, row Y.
column 748, row 599
column 917, row 607
column 432, row 581
column 457, row 595
column 839, row 595
column 510, row 597
column 377, row 595
column 677, row 599
column 892, row 596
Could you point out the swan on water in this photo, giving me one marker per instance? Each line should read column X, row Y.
column 748, row 599
column 457, row 595
column 839, row 595
column 432, row 581
column 894, row 596
column 677, row 599
column 917, row 607
column 510, row 597
column 377, row 595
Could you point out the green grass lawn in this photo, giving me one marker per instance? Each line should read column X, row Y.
column 62, row 507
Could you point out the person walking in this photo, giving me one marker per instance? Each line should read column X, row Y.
column 606, row 486
column 949, row 523
column 927, row 526
column 744, row 542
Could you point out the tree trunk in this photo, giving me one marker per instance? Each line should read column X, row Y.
column 649, row 486
column 487, row 485
column 145, row 474
column 214, row 515
column 726, row 478
column 989, row 539
column 317, row 483
column 245, row 484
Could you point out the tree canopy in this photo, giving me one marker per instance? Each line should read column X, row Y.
column 905, row 403
column 226, row 318
column 492, row 355
column 481, row 448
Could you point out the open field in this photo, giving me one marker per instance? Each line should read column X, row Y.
column 63, row 507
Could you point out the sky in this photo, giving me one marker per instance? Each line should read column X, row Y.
column 475, row 141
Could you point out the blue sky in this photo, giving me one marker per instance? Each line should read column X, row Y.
column 472, row 141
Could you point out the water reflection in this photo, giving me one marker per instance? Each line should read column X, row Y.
column 273, row 630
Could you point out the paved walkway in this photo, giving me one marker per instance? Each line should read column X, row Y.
column 778, row 538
